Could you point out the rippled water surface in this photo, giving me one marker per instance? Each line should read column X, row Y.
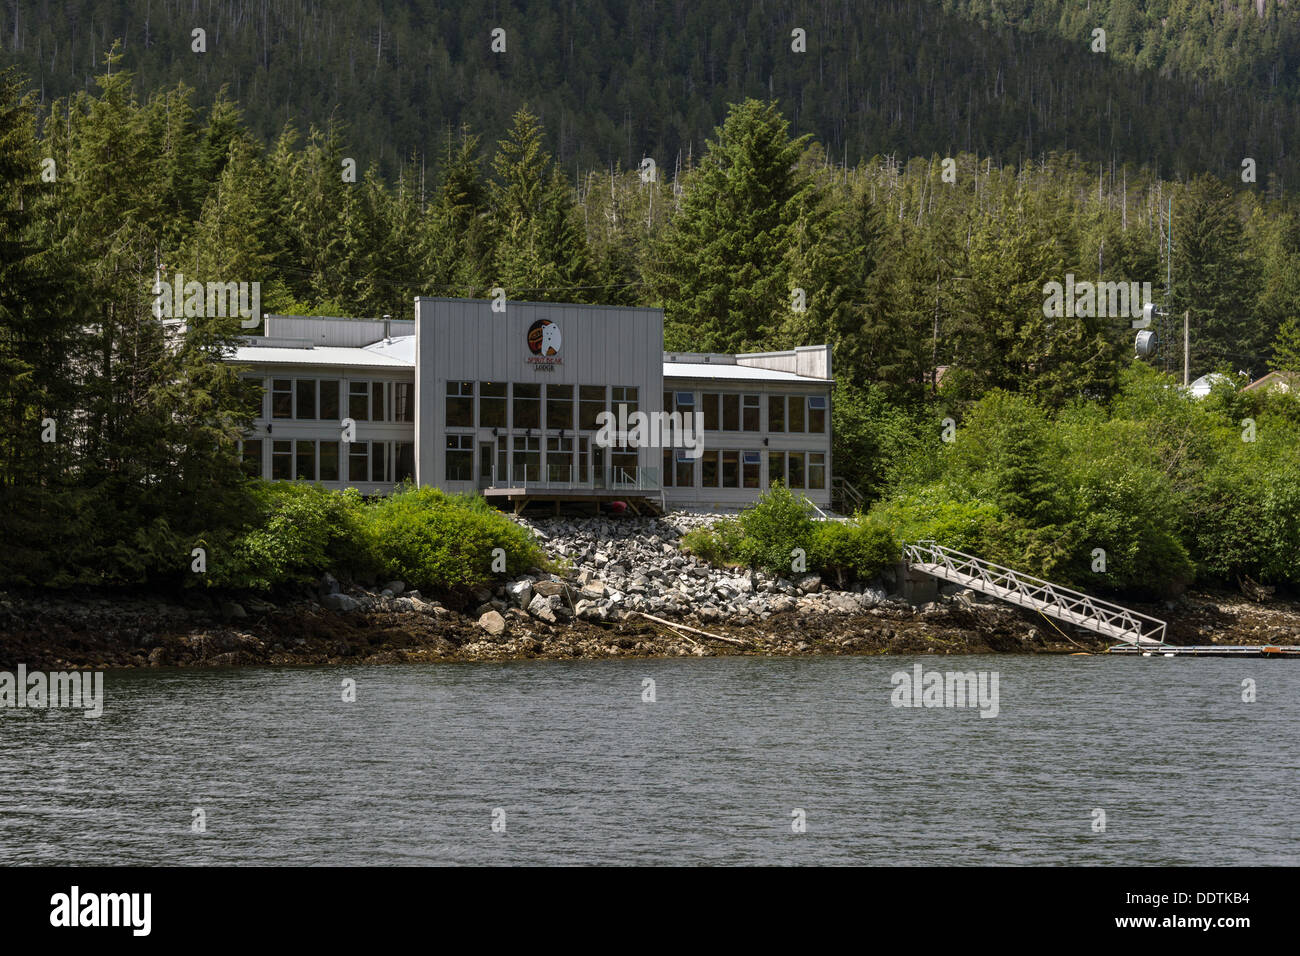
column 710, row 772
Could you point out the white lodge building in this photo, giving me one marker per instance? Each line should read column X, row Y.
column 510, row 404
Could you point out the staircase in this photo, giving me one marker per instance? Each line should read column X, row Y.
column 1053, row 600
column 845, row 498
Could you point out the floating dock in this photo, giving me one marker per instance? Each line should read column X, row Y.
column 1207, row 650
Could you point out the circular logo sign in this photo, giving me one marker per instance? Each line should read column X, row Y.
column 544, row 338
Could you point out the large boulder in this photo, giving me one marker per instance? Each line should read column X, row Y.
column 520, row 592
column 340, row 602
column 493, row 623
column 540, row 608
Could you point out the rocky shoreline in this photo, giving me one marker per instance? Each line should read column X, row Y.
column 615, row 573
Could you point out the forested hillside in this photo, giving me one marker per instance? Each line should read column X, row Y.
column 117, row 454
column 614, row 82
column 1252, row 44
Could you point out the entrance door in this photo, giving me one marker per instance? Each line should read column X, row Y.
column 598, row 466
column 485, row 464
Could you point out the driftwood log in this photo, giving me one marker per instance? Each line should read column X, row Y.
column 693, row 630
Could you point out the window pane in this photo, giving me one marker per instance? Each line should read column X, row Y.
column 817, row 469
column 405, row 467
column 460, row 458
column 379, row 461
column 306, row 398
column 750, row 422
column 282, row 461
column 667, row 467
column 796, row 412
column 377, row 401
column 685, row 472
column 252, row 457
column 709, row 469
column 731, row 413
column 403, row 402
column 775, row 467
column 816, row 420
column 359, row 461
column 492, row 405
column 750, row 467
column 796, row 469
column 329, row 461
column 282, row 398
column 711, row 411
column 305, row 466
column 559, row 406
column 460, row 404
column 591, row 402
column 528, row 406
column 731, row 469
column 776, row 413
column 359, row 401
column 329, row 400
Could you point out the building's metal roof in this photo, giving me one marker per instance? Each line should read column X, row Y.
column 328, row 355
column 738, row 373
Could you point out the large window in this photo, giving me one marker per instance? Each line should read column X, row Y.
column 559, row 459
column 796, row 422
column 329, row 400
column 730, row 412
column 329, row 461
column 282, row 398
column 492, row 404
column 359, row 401
column 796, row 469
column 404, row 468
column 251, row 457
column 710, row 403
column 817, row 413
column 750, row 465
column 282, row 461
column 685, row 477
column 624, row 395
column 591, row 402
column 305, row 461
column 528, row 458
column 709, row 469
column 380, row 465
column 460, row 404
column 775, row 467
column 817, row 469
column 731, row 469
column 377, row 413
column 460, row 457
column 403, row 402
column 749, row 419
column 359, row 461
column 306, row 398
column 559, row 407
column 528, row 405
column 776, row 413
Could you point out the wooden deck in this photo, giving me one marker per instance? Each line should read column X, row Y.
column 639, row 501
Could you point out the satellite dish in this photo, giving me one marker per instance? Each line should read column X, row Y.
column 1146, row 343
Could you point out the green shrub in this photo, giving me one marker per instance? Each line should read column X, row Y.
column 774, row 526
column 299, row 532
column 932, row 513
column 852, row 550
column 435, row 541
column 718, row 543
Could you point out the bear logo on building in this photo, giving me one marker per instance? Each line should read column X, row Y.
column 544, row 338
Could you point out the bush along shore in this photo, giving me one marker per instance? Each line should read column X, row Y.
column 605, row 576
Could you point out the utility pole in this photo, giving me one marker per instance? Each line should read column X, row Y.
column 1187, row 347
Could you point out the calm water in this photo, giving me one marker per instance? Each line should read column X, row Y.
column 585, row 772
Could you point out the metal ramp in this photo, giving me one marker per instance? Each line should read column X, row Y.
column 1053, row 600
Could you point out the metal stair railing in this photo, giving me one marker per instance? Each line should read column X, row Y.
column 1064, row 604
